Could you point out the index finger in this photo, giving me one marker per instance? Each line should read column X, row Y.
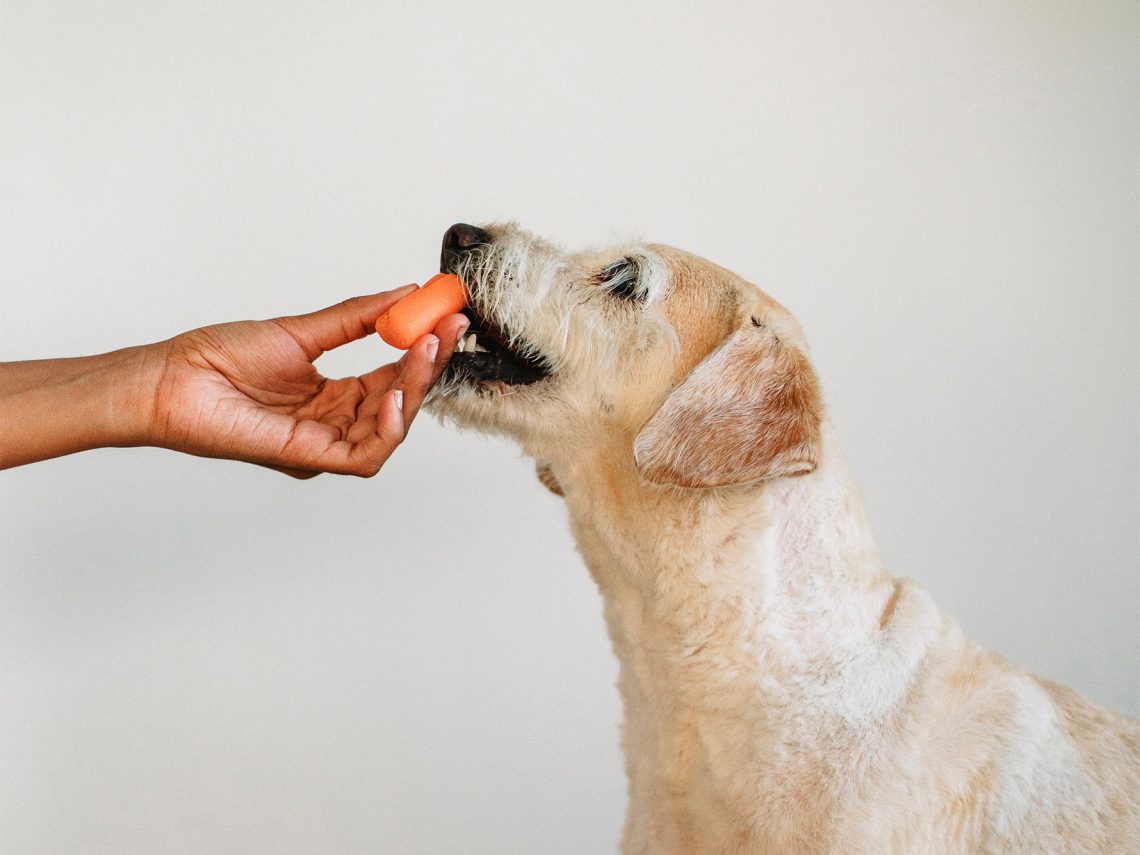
column 424, row 371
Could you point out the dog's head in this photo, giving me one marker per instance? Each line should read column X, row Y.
column 696, row 377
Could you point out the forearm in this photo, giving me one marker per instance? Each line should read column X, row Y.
column 53, row 407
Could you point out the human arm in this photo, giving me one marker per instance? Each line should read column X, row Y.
column 245, row 391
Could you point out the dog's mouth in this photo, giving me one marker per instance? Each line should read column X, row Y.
column 489, row 353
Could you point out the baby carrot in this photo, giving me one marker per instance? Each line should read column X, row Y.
column 420, row 311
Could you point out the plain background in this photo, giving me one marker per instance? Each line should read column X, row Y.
column 202, row 656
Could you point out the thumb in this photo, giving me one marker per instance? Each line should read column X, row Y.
column 329, row 328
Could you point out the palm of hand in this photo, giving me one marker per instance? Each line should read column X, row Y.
column 249, row 390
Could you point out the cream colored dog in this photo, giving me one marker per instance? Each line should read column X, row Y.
column 783, row 693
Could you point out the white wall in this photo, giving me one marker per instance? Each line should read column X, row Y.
column 200, row 656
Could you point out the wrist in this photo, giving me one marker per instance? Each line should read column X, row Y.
column 129, row 381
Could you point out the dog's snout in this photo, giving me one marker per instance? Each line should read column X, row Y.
column 462, row 236
column 459, row 239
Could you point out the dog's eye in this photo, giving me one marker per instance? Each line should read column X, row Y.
column 622, row 279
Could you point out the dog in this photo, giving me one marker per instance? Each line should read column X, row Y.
column 782, row 692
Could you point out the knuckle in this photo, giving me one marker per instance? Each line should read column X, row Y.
column 351, row 302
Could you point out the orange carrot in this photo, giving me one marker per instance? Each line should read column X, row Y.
column 420, row 311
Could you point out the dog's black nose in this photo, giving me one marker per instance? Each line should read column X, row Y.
column 459, row 239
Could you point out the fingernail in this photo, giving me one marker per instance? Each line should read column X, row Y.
column 432, row 347
column 462, row 329
column 398, row 397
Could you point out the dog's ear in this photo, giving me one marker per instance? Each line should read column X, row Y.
column 542, row 469
column 749, row 411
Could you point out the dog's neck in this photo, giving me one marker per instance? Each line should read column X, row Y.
column 728, row 609
column 687, row 566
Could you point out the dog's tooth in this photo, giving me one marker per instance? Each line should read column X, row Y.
column 479, row 348
column 469, row 346
column 459, row 345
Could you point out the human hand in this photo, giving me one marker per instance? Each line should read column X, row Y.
column 249, row 391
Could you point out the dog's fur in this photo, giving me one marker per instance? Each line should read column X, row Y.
column 782, row 692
